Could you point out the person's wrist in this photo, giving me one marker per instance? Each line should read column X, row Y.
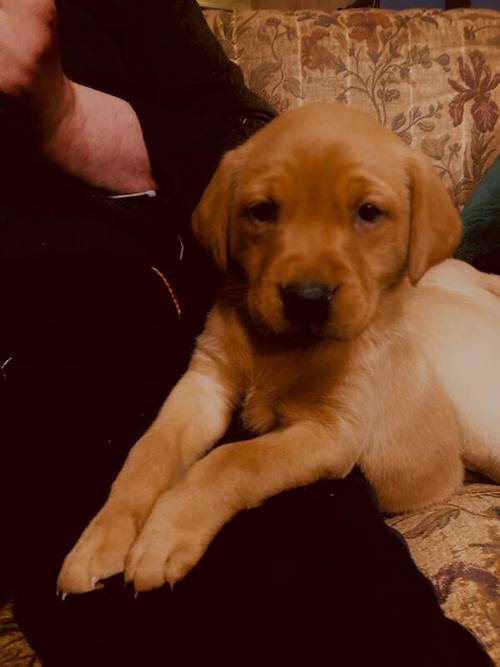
column 97, row 138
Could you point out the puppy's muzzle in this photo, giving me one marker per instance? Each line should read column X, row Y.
column 306, row 304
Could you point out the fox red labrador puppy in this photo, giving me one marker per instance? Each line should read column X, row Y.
column 341, row 334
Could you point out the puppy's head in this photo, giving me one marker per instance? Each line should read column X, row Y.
column 319, row 213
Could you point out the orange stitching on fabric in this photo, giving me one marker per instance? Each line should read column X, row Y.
column 170, row 290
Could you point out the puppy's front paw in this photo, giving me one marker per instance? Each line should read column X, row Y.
column 173, row 540
column 99, row 553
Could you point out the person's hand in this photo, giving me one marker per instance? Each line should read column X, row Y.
column 30, row 65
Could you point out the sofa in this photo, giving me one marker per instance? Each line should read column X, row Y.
column 433, row 78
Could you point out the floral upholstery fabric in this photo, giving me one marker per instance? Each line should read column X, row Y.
column 14, row 649
column 432, row 77
column 456, row 544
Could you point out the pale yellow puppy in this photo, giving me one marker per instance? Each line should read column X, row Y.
column 341, row 333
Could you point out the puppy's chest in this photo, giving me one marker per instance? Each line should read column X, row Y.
column 282, row 390
column 260, row 408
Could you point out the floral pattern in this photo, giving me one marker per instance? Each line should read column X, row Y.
column 479, row 83
column 457, row 545
column 14, row 649
column 432, row 77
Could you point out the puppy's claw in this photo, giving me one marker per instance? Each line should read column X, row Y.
column 63, row 596
column 99, row 553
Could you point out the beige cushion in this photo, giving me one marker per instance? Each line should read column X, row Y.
column 457, row 545
column 431, row 76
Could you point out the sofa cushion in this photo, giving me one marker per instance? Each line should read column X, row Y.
column 456, row 545
column 433, row 77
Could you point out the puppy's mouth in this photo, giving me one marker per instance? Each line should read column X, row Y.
column 305, row 333
column 291, row 336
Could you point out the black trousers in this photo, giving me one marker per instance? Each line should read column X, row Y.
column 90, row 345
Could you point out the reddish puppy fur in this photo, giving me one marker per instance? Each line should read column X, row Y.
column 325, row 209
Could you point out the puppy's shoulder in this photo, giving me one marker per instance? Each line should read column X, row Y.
column 224, row 340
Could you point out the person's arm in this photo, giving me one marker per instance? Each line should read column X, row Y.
column 92, row 135
column 98, row 139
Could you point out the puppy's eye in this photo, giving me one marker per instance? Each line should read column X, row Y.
column 264, row 211
column 369, row 213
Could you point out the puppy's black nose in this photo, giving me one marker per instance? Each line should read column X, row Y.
column 306, row 302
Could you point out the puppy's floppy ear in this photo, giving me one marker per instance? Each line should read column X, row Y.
column 435, row 226
column 210, row 219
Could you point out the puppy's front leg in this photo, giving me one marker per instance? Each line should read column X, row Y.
column 231, row 478
column 193, row 418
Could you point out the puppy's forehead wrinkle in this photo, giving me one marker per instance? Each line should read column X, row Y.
column 324, row 182
column 264, row 170
column 318, row 163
